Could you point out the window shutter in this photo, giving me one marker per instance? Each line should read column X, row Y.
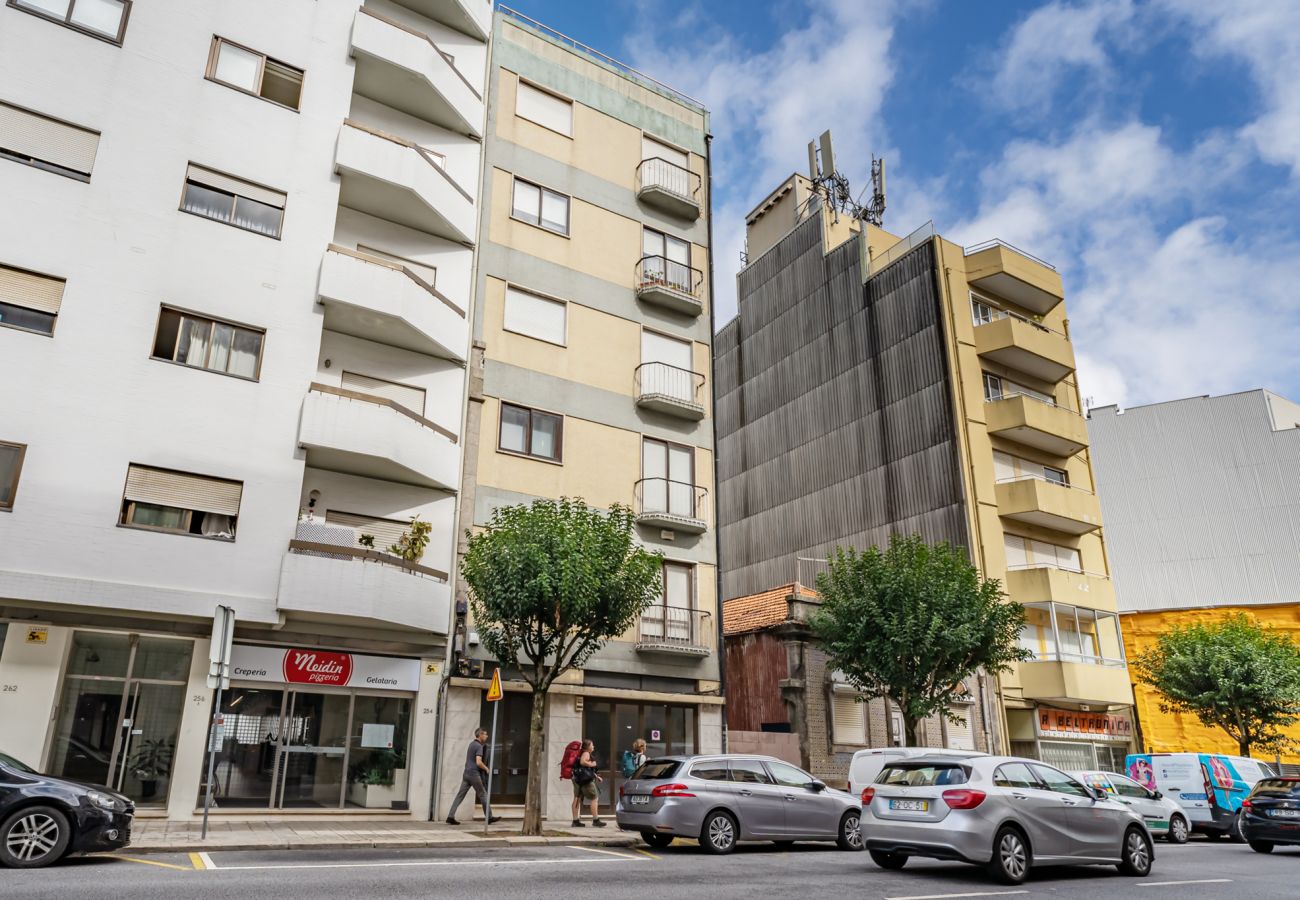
column 231, row 185
column 387, row 532
column 657, row 348
column 164, row 487
column 410, row 397
column 535, row 316
column 652, row 149
column 959, row 734
column 31, row 134
column 848, row 719
column 31, row 291
column 545, row 109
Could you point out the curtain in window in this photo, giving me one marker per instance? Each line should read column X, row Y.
column 546, row 436
column 257, row 217
column 217, row 525
column 244, row 352
column 192, row 348
column 207, row 202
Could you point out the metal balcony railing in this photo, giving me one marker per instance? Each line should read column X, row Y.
column 675, row 627
column 985, row 311
column 660, row 271
column 665, row 380
column 664, row 175
column 665, row 497
column 998, row 242
column 1046, row 401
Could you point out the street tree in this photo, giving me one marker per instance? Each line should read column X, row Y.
column 911, row 622
column 549, row 584
column 1231, row 674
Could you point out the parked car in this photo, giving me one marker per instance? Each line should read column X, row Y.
column 1002, row 812
column 42, row 818
column 1163, row 816
column 866, row 764
column 1271, row 814
column 1208, row 786
column 721, row 800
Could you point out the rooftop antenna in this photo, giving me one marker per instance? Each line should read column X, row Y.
column 832, row 184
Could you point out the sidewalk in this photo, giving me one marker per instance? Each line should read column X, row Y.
column 341, row 833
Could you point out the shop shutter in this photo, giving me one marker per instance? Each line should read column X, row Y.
column 48, row 140
column 848, row 719
column 402, row 394
column 387, row 532
column 960, row 736
column 209, row 178
column 31, row 291
column 164, row 487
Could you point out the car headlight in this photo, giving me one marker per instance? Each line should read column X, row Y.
column 104, row 801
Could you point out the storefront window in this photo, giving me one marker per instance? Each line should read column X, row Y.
column 377, row 748
column 667, row 731
column 4, row 630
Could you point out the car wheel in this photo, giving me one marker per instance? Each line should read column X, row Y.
column 719, row 833
column 33, row 837
column 888, row 860
column 1011, row 856
column 1135, row 854
column 1238, row 833
column 850, row 836
column 1261, row 846
column 655, row 839
column 1179, row 831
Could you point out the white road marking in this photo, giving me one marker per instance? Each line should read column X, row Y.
column 1172, row 883
column 946, row 896
column 580, row 860
column 597, row 850
column 207, row 860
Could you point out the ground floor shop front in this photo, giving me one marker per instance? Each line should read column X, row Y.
column 299, row 728
column 1073, row 739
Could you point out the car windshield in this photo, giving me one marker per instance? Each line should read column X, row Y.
column 922, row 776
column 12, row 763
column 658, row 770
column 1278, row 787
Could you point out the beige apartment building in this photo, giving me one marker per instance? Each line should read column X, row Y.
column 590, row 377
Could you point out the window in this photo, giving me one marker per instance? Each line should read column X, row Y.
column 28, row 300
column 1015, row 775
column 255, row 73
column 211, row 344
column 848, row 718
column 1084, row 635
column 38, row 140
column 531, row 432
column 404, row 395
column 1024, row 553
column 998, row 388
column 1126, row 788
column 539, row 206
column 667, row 368
column 102, row 18
column 749, row 771
column 544, row 108
column 665, row 167
column 386, row 532
column 787, row 775
column 11, row 466
column 1058, row 782
column 667, row 478
column 922, row 775
column 166, row 500
column 652, row 149
column 710, row 771
column 658, row 770
column 1013, row 468
column 671, row 618
column 4, row 629
column 240, row 203
column 535, row 316
column 982, row 312
column 666, row 260
column 959, row 732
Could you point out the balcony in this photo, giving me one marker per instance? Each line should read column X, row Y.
column 1075, row 682
column 672, row 285
column 1024, row 345
column 393, row 179
column 1047, row 504
column 670, row 390
column 386, row 302
column 1078, row 655
column 325, row 576
column 355, row 433
column 675, row 505
column 668, row 187
column 1029, row 584
column 403, row 68
column 1036, row 423
column 472, row 17
column 1009, row 272
column 675, row 631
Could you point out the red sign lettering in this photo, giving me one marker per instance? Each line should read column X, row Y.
column 317, row 667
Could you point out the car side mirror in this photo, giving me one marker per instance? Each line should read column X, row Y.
column 816, row 786
column 1100, row 794
column 1156, row 795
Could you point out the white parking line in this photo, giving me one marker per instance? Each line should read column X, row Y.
column 946, row 896
column 207, row 860
column 1172, row 883
column 581, row 860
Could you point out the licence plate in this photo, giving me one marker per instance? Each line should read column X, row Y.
column 638, row 799
column 910, row 805
column 1285, row 813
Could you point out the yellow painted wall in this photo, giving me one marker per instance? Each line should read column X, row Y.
column 1174, row 732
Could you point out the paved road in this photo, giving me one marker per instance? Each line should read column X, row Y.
column 1200, row 869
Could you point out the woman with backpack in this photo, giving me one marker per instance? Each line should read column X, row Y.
column 633, row 759
column 585, row 780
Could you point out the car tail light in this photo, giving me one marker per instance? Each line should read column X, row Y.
column 671, row 790
column 963, row 799
column 1247, row 805
column 868, row 794
column 621, row 789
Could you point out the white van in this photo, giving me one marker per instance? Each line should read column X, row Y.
column 1208, row 786
column 866, row 764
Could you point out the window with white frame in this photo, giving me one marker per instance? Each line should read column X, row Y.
column 254, row 73
column 665, row 167
column 245, row 205
column 544, row 108
column 668, row 479
column 1014, row 468
column 1059, row 631
column 205, row 343
column 102, row 18
column 666, row 367
column 535, row 316
column 666, row 260
column 848, row 717
column 1026, row 553
column 539, row 206
column 998, row 388
column 960, row 734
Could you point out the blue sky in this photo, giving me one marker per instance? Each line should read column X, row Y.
column 1149, row 148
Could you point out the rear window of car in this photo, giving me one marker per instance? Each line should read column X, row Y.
column 1278, row 787
column 658, row 769
column 922, row 776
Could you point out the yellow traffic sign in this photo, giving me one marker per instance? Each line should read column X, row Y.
column 494, row 691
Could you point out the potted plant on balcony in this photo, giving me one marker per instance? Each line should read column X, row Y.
column 410, row 546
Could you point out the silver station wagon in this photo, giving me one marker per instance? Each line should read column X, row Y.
column 1005, row 813
column 720, row 800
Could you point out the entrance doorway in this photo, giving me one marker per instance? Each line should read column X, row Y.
column 120, row 713
column 666, row 729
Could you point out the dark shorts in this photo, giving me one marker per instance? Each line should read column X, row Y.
column 585, row 791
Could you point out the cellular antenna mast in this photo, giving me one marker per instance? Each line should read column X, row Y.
column 833, row 186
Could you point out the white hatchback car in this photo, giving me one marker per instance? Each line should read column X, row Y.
column 1163, row 816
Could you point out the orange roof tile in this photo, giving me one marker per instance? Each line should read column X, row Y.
column 758, row 611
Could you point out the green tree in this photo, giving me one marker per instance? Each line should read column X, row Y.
column 1232, row 674
column 909, row 623
column 549, row 583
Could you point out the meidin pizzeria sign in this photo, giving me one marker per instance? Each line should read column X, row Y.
column 323, row 668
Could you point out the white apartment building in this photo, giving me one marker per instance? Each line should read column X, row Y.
column 236, row 258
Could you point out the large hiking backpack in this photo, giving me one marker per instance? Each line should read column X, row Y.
column 628, row 764
column 571, row 755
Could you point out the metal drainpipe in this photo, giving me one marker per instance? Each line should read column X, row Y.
column 717, row 485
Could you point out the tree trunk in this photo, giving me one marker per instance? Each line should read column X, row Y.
column 910, row 728
column 1243, row 746
column 536, row 763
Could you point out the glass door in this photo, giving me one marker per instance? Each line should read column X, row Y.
column 314, row 750
column 246, row 759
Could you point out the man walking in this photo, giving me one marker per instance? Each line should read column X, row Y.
column 585, row 780
column 475, row 769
